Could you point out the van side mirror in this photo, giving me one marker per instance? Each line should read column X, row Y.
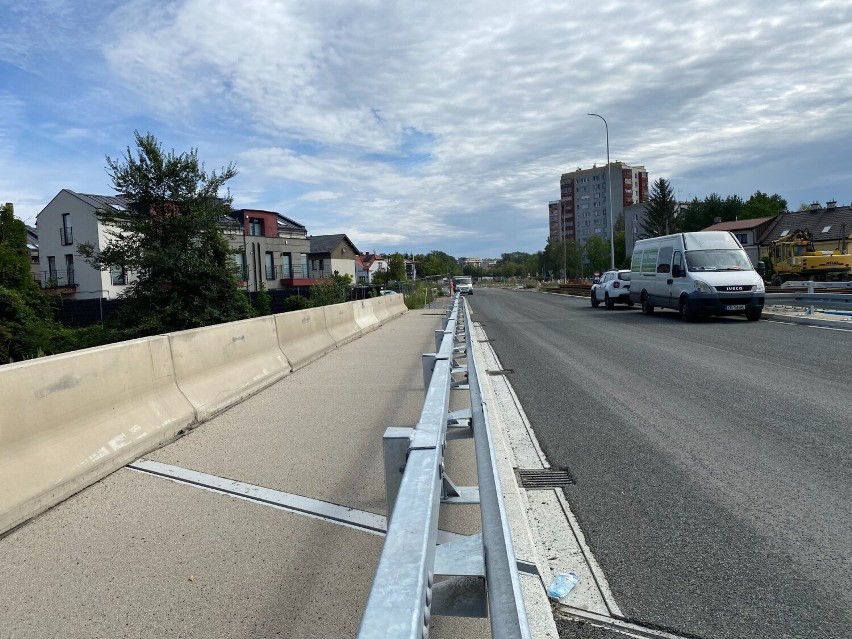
column 677, row 270
column 761, row 268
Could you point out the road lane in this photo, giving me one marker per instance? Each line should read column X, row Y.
column 713, row 460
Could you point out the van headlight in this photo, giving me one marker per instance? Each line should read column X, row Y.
column 761, row 287
column 702, row 287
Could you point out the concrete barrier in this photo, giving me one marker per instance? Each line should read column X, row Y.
column 364, row 316
column 340, row 322
column 69, row 420
column 396, row 305
column 380, row 308
column 303, row 336
column 217, row 366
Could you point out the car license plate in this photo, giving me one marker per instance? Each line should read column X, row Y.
column 735, row 307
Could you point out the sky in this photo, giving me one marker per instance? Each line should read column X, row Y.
column 415, row 126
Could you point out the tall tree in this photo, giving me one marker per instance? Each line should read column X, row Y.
column 396, row 267
column 763, row 205
column 26, row 321
column 170, row 238
column 597, row 250
column 660, row 214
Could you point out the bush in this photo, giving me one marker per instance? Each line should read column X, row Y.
column 296, row 303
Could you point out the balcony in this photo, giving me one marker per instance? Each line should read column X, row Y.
column 57, row 280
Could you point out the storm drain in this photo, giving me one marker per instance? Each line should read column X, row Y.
column 502, row 371
column 543, row 478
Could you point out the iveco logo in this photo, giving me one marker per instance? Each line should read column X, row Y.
column 735, row 288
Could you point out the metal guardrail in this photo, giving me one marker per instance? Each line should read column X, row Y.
column 474, row 576
column 833, row 301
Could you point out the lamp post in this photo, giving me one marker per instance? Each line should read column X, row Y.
column 609, row 194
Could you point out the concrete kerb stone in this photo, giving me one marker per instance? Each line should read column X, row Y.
column 217, row 366
column 340, row 322
column 303, row 336
column 71, row 419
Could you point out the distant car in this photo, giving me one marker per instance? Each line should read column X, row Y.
column 387, row 292
column 613, row 287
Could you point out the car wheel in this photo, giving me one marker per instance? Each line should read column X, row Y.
column 753, row 314
column 608, row 301
column 595, row 302
column 631, row 303
column 647, row 308
column 686, row 313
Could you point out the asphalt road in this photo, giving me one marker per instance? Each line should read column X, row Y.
column 713, row 461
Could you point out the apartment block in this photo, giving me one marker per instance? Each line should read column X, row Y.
column 582, row 209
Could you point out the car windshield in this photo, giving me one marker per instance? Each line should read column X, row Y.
column 718, row 260
column 624, row 276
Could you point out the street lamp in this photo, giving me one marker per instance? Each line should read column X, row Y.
column 609, row 194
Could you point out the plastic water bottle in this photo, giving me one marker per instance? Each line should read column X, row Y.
column 562, row 585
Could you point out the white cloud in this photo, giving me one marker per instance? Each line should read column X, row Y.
column 437, row 126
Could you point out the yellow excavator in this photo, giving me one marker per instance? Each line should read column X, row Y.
column 794, row 257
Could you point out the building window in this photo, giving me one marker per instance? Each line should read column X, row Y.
column 52, row 275
column 255, row 226
column 66, row 237
column 117, row 275
column 69, row 268
column 270, row 265
column 742, row 237
column 240, row 259
column 304, row 261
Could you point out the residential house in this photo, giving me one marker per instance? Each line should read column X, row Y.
column 367, row 265
column 748, row 232
column 274, row 249
column 830, row 226
column 66, row 222
column 330, row 254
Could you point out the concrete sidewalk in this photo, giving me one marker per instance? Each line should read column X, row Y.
column 140, row 555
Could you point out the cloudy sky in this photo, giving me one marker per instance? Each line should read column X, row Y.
column 429, row 125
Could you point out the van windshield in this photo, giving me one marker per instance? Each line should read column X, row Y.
column 718, row 260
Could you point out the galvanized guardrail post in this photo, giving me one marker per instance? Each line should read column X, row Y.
column 477, row 575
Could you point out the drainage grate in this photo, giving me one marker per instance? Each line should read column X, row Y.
column 543, row 478
column 503, row 371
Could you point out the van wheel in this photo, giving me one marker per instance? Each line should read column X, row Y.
column 595, row 302
column 753, row 314
column 646, row 305
column 631, row 303
column 686, row 313
column 608, row 302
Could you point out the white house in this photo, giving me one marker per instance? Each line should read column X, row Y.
column 65, row 223
column 367, row 265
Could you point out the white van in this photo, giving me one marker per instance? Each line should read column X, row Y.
column 464, row 284
column 701, row 273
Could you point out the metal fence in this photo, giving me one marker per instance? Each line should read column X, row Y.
column 417, row 576
column 833, row 301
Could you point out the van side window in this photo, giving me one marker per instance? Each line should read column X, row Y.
column 664, row 259
column 636, row 262
column 677, row 260
column 649, row 260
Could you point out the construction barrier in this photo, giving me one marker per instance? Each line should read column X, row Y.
column 303, row 336
column 69, row 420
column 364, row 316
column 340, row 322
column 217, row 366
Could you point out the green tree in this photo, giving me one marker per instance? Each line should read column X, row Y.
column 262, row 302
column 396, row 268
column 763, row 205
column 170, row 238
column 597, row 251
column 337, row 290
column 660, row 214
column 26, row 320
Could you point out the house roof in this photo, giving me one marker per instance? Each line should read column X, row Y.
column 739, row 225
column 284, row 222
column 102, row 201
column 327, row 243
column 825, row 224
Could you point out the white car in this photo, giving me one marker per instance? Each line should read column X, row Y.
column 612, row 287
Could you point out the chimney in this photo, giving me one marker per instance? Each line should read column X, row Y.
column 831, row 204
column 814, row 206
